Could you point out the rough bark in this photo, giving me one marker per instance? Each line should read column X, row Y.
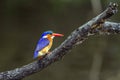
column 97, row 25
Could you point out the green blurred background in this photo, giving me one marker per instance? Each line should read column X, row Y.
column 23, row 21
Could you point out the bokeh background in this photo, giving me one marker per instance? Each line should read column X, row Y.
column 23, row 21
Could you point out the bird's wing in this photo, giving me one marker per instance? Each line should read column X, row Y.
column 42, row 43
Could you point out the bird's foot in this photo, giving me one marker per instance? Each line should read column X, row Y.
column 48, row 52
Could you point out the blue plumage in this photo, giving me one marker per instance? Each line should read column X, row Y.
column 45, row 43
column 46, row 33
column 42, row 43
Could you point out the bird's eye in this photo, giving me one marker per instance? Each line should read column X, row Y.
column 50, row 33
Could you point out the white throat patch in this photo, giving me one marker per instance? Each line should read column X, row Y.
column 52, row 37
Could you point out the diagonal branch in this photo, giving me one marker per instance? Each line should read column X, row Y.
column 96, row 25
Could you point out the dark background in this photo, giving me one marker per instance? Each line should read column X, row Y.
column 23, row 21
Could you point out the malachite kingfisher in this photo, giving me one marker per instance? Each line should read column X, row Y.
column 44, row 44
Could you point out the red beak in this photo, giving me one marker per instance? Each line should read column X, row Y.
column 57, row 35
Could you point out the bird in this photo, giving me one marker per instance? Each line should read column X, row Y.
column 45, row 43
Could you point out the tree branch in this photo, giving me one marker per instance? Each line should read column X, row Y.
column 96, row 25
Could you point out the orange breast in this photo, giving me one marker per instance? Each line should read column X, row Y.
column 47, row 48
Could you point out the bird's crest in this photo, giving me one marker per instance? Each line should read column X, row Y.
column 46, row 33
